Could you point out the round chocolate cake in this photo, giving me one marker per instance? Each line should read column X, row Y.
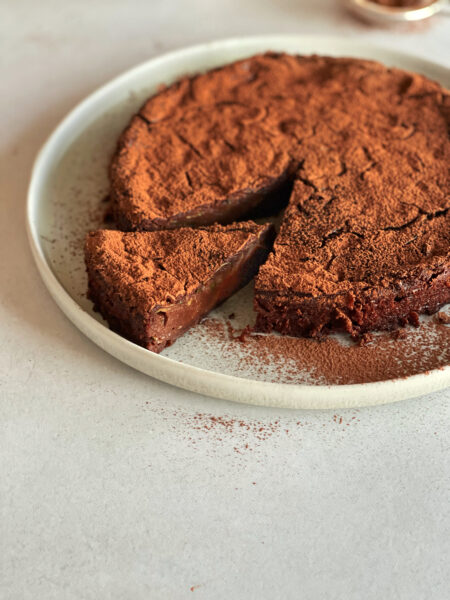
column 357, row 151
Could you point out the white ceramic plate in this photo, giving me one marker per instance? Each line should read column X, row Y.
column 68, row 179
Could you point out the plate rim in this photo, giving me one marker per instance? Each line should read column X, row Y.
column 168, row 370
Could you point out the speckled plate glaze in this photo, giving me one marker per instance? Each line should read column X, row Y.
column 68, row 182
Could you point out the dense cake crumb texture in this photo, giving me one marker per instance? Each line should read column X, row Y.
column 207, row 140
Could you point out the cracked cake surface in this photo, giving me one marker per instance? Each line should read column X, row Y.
column 153, row 286
column 207, row 147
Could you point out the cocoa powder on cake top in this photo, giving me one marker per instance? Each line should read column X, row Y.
column 158, row 268
column 328, row 361
column 214, row 141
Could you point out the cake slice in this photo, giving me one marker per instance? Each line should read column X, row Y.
column 345, row 262
column 153, row 286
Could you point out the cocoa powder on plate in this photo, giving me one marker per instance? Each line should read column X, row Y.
column 385, row 356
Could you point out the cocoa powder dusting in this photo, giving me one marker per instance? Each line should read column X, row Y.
column 243, row 435
column 337, row 123
column 380, row 357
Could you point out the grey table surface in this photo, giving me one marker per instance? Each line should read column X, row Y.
column 114, row 485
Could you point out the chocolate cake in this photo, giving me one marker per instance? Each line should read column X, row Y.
column 152, row 286
column 364, row 242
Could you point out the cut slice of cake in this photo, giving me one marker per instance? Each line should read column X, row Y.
column 153, row 286
column 342, row 261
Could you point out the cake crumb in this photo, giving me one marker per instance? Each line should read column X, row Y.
column 443, row 318
column 365, row 339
